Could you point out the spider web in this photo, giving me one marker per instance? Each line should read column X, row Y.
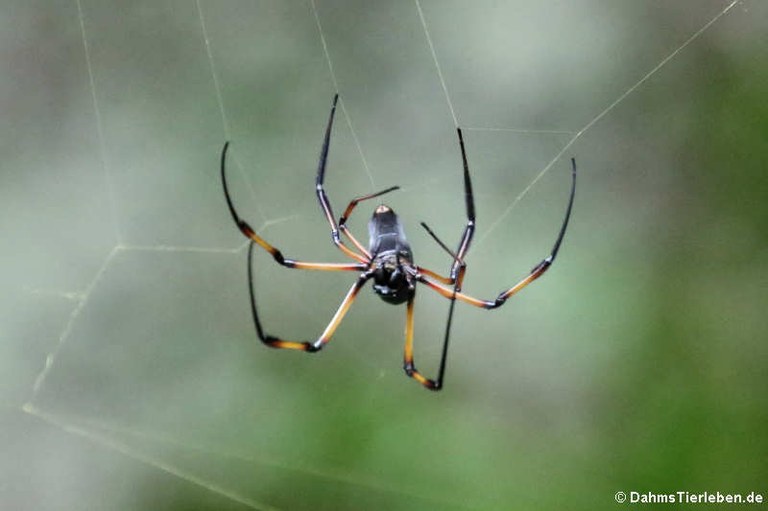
column 131, row 362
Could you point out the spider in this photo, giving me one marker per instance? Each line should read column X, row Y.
column 388, row 261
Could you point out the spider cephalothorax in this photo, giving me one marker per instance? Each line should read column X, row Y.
column 388, row 261
column 391, row 279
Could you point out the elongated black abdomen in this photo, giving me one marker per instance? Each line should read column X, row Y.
column 387, row 235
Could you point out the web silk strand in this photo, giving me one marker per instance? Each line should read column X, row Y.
column 99, row 124
column 437, row 63
column 602, row 114
column 341, row 98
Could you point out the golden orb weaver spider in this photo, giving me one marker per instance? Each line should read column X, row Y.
column 388, row 260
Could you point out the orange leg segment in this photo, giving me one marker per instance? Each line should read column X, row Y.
column 408, row 365
column 276, row 342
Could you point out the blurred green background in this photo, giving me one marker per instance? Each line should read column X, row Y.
column 131, row 375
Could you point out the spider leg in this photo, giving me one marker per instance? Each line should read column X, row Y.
column 456, row 281
column 458, row 266
column 469, row 199
column 408, row 364
column 323, row 198
column 435, row 275
column 347, row 212
column 453, row 279
column 248, row 231
column 276, row 342
column 535, row 273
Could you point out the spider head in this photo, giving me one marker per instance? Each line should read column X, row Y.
column 391, row 281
